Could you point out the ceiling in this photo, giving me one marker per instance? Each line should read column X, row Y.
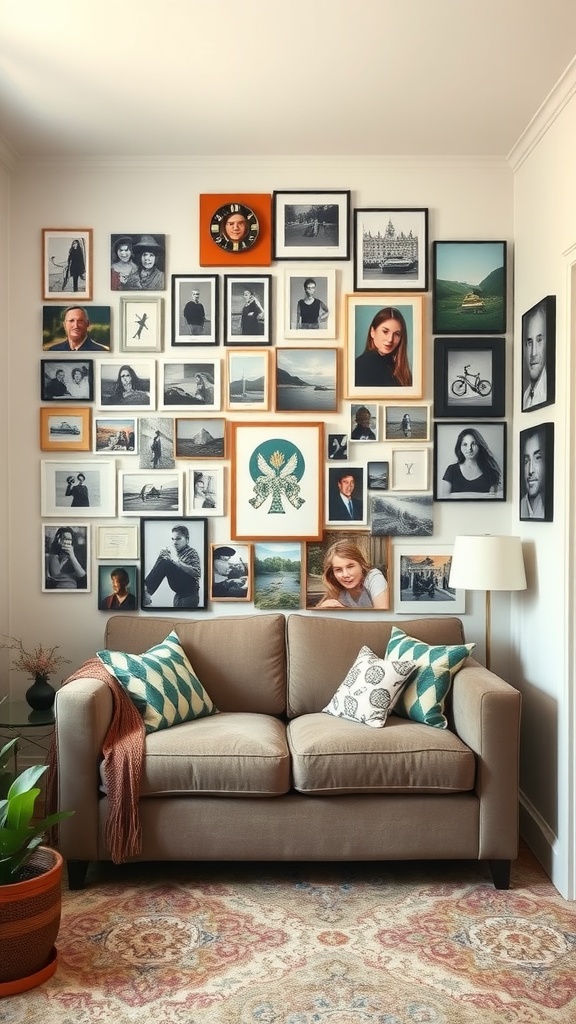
column 127, row 78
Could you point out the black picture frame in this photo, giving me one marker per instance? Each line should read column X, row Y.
column 202, row 328
column 469, row 377
column 247, row 321
column 449, row 436
column 105, row 590
column 536, row 465
column 469, row 287
column 391, row 250
column 52, row 370
column 311, row 225
column 539, row 331
column 156, row 536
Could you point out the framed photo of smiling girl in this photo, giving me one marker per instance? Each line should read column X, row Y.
column 384, row 346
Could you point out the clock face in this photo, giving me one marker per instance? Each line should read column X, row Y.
column 234, row 227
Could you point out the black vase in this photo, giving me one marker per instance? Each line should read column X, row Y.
column 40, row 696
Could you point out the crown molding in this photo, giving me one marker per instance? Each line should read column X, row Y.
column 303, row 161
column 544, row 117
column 8, row 155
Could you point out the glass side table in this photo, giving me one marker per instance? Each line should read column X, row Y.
column 17, row 717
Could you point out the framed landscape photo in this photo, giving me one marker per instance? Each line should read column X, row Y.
column 247, row 310
column 384, row 346
column 378, row 475
column 115, row 434
column 469, row 288
column 200, row 438
column 421, row 574
column 539, row 355
column 194, row 384
column 310, row 303
column 536, row 450
column 60, row 321
column 407, row 422
column 67, row 263
column 230, row 572
column 173, row 564
column 150, row 494
column 248, row 380
column 277, row 576
column 141, row 324
column 66, row 560
column 409, row 469
column 117, row 542
column 67, row 380
column 122, row 385
column 306, row 380
column 470, row 461
column 311, row 225
column 345, row 494
column 65, row 429
column 401, row 515
column 391, row 250
column 469, row 377
column 365, row 586
column 205, row 491
column 194, row 309
column 84, row 487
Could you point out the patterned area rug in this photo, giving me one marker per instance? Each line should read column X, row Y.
column 402, row 943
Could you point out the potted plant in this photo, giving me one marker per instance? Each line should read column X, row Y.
column 39, row 664
column 30, row 881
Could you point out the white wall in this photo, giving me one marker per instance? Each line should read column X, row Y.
column 5, row 165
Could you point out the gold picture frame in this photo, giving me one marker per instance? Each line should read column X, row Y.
column 65, row 428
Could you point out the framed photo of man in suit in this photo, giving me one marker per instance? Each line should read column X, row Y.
column 345, row 497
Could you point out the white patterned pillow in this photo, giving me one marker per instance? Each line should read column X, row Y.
column 161, row 683
column 371, row 689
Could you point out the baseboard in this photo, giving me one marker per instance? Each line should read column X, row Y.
column 538, row 835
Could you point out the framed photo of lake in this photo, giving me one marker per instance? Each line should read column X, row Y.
column 306, row 380
column 248, row 384
column 277, row 576
column 469, row 288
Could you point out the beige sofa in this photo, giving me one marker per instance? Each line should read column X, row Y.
column 273, row 778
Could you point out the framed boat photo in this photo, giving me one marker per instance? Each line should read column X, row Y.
column 391, row 250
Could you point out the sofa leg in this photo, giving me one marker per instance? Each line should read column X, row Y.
column 500, row 870
column 77, row 871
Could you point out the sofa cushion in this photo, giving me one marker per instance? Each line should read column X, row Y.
column 161, row 683
column 423, row 698
column 370, row 689
column 331, row 756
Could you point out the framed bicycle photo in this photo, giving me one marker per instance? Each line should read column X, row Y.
column 67, row 263
column 469, row 377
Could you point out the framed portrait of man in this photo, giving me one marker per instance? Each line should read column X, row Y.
column 539, row 355
column 537, row 473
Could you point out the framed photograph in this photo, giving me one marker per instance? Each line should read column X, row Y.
column 537, row 473
column 187, row 385
column 67, row 561
column 277, row 576
column 469, row 376
column 469, row 461
column 311, row 225
column 141, row 325
column 67, row 380
column 120, row 385
column 391, row 250
column 194, row 309
column 406, row 422
column 156, row 442
column 364, row 422
column 345, row 490
column 65, row 429
column 539, row 355
column 117, row 542
column 80, row 488
column 276, row 481
column 337, row 447
column 115, row 434
column 138, row 263
column 173, row 564
column 248, row 380
column 205, row 491
column 378, row 476
column 230, row 572
column 150, row 494
column 310, row 304
column 67, row 263
column 409, row 469
column 348, row 572
column 469, row 288
column 421, row 574
column 401, row 515
column 247, row 310
column 200, row 438
column 235, row 229
column 117, row 588
column 76, row 329
column 384, row 346
column 306, row 380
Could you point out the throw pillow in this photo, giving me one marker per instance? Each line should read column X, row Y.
column 370, row 689
column 161, row 683
column 424, row 697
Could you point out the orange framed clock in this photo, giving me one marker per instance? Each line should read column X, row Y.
column 235, row 230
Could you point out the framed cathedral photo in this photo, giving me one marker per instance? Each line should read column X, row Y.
column 391, row 250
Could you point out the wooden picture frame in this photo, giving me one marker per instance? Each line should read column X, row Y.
column 469, row 377
column 346, row 483
column 421, row 574
column 231, row 571
column 205, row 492
column 195, row 310
column 200, row 437
column 192, row 384
column 117, row 542
column 54, row 337
column 152, row 493
column 65, row 428
column 248, row 380
column 406, row 423
column 67, row 264
column 164, row 586
column 409, row 469
column 115, row 434
column 84, row 487
column 126, row 385
column 359, row 547
column 217, row 248
column 306, row 380
column 67, row 380
column 127, row 575
column 369, row 377
column 489, row 453
column 141, row 324
column 67, row 561
column 276, row 480
column 247, row 303
column 391, row 250
column 311, row 225
column 277, row 576
column 539, row 355
column 401, row 515
column 469, row 287
column 310, row 303
column 536, row 462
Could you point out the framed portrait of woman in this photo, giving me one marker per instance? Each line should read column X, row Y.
column 348, row 571
column 310, row 303
column 247, row 310
column 469, row 461
column 130, row 385
column 67, row 561
column 384, row 346
column 192, row 384
column 67, row 263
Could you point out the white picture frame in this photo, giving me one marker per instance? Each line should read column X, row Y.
column 112, row 394
column 65, row 487
column 141, row 324
column 420, row 599
column 409, row 469
column 191, row 384
column 323, row 299
column 214, row 496
column 68, row 580
column 150, row 493
column 117, row 543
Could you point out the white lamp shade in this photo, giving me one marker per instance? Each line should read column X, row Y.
column 488, row 563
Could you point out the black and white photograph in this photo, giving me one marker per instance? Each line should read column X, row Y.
column 77, row 329
column 82, row 487
column 306, row 379
column 115, row 434
column 406, row 422
column 137, row 263
column 230, row 572
column 310, row 303
column 156, row 442
column 66, row 380
column 470, row 461
column 126, row 384
column 141, row 324
column 348, row 571
column 248, row 380
column 205, row 490
column 539, row 355
column 173, row 564
column 66, row 565
column 117, row 588
column 536, row 461
column 337, row 447
column 67, row 263
column 247, row 309
column 154, row 493
column 391, row 250
column 345, row 496
column 311, row 225
column 421, row 574
column 378, row 476
column 469, row 377
column 200, row 438
column 194, row 384
column 364, row 425
column 401, row 515
column 194, row 309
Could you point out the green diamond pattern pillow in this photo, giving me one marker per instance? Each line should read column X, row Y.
column 162, row 684
column 370, row 690
column 423, row 698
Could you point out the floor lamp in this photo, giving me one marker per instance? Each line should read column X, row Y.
column 487, row 563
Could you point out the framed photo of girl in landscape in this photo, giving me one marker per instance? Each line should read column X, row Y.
column 384, row 346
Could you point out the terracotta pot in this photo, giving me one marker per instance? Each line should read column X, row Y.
column 29, row 922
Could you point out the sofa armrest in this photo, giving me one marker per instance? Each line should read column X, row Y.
column 486, row 716
column 83, row 715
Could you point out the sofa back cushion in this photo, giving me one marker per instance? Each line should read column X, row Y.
column 321, row 650
column 239, row 659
